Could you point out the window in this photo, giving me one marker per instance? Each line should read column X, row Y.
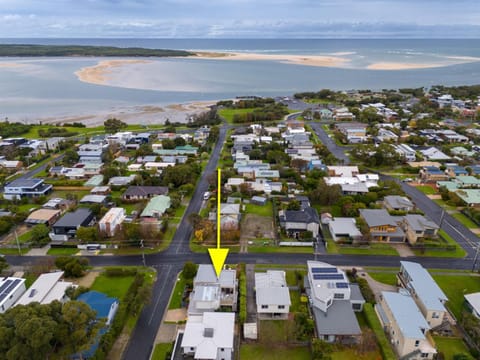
column 424, row 355
column 435, row 315
column 417, row 343
column 356, row 306
column 338, row 296
column 264, row 306
column 192, row 349
column 281, row 306
column 222, row 349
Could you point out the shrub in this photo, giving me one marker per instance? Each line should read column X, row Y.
column 366, row 291
column 73, row 266
column 115, row 271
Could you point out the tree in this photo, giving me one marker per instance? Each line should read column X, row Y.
column 179, row 141
column 321, row 350
column 294, row 205
column 70, row 157
column 189, row 270
column 114, row 125
column 73, row 266
column 39, row 234
column 168, row 144
column 87, row 234
column 3, row 264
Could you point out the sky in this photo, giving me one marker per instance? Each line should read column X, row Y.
column 240, row 18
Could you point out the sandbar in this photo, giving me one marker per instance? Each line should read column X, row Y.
column 403, row 66
column 10, row 65
column 98, row 74
column 308, row 60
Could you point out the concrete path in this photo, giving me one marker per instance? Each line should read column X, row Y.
column 377, row 287
column 251, row 303
column 38, row 251
column 403, row 250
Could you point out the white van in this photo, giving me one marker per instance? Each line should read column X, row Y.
column 206, row 195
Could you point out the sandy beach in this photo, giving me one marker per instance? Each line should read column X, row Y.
column 402, row 66
column 308, row 60
column 144, row 115
column 98, row 74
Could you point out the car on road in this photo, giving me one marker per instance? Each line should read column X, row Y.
column 206, row 195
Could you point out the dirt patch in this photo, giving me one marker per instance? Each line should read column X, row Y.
column 167, row 333
column 434, row 197
column 176, row 315
column 87, row 280
column 10, row 237
column 254, row 226
column 119, row 346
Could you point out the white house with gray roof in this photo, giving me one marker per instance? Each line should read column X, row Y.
column 344, row 229
column 333, row 301
column 425, row 292
column 297, row 222
column 473, row 303
column 405, row 325
column 272, row 295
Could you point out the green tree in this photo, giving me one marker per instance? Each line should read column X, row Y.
column 70, row 157
column 189, row 270
column 87, row 234
column 3, row 264
column 321, row 350
column 179, row 141
column 114, row 125
column 73, row 266
column 39, row 234
column 168, row 144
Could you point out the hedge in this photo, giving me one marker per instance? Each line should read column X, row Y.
column 382, row 341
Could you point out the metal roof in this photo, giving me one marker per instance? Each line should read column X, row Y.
column 424, row 286
column 377, row 217
column 75, row 218
column 339, row 320
column 406, row 314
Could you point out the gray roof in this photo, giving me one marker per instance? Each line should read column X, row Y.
column 205, row 274
column 95, row 199
column 76, row 218
column 25, row 183
column 306, row 216
column 420, row 222
column 344, row 226
column 377, row 217
column 146, row 191
column 396, row 201
column 339, row 320
column 273, row 296
column 355, row 293
column 406, row 314
column 424, row 286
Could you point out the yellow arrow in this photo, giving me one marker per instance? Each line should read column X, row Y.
column 218, row 255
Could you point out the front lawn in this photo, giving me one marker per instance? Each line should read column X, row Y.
column 113, row 286
column 427, row 190
column 161, row 350
column 63, row 251
column 274, row 352
column 447, row 240
column 455, row 286
column 281, row 249
column 465, row 221
column 450, row 346
column 265, row 210
column 389, row 278
column 176, row 300
column 372, row 249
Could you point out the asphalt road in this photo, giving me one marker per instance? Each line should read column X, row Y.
column 170, row 262
column 337, row 151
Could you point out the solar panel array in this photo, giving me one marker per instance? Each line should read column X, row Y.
column 341, row 285
column 324, row 270
column 7, row 287
column 327, row 276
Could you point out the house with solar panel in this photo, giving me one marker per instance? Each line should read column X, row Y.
column 333, row 301
column 11, row 288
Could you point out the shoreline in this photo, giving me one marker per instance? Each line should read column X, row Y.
column 98, row 74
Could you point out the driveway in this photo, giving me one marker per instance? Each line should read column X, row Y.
column 251, row 303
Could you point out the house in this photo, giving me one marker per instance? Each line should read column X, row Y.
column 46, row 289
column 135, row 167
column 344, row 229
column 105, row 307
column 268, row 174
column 461, row 151
column 156, row 207
column 211, row 293
column 333, row 302
column 397, row 203
column 57, row 203
column 95, row 180
column 90, row 152
column 467, row 182
column 406, row 152
column 471, row 197
column 342, row 113
column 43, row 216
column 100, row 190
column 354, row 132
column 209, row 336
column 432, row 174
column 343, row 171
column 93, row 199
column 11, row 288
column 386, row 135
column 157, row 166
column 258, row 200
column 356, row 188
column 66, row 228
column 317, row 164
column 296, row 222
column 26, row 188
column 111, row 221
column 229, row 216
column 90, row 169
column 121, row 180
column 272, row 295
column 454, row 170
column 144, row 192
column 405, row 325
column 472, row 301
column 429, row 298
column 11, row 164
column 382, row 226
column 433, row 154
column 418, row 227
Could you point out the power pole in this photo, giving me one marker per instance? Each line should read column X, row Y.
column 18, row 243
column 143, row 253
column 474, row 265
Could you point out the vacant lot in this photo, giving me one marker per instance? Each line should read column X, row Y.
column 254, row 226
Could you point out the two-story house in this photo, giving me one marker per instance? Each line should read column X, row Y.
column 382, row 226
column 26, row 188
column 297, row 222
column 419, row 227
column 272, row 295
column 425, row 292
column 66, row 227
column 405, row 325
column 397, row 203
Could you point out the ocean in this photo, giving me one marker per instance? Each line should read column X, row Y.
column 36, row 88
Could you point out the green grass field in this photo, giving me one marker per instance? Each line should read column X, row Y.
column 384, row 277
column 451, row 346
column 176, row 300
column 373, row 249
column 372, row 320
column 112, row 286
column 269, row 352
column 161, row 350
column 458, row 253
column 228, row 114
column 13, row 251
column 427, row 190
column 465, row 221
column 63, row 251
column 259, row 210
